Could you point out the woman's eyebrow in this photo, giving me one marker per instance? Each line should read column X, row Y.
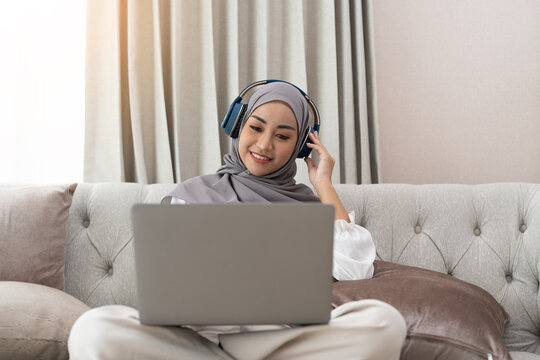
column 279, row 126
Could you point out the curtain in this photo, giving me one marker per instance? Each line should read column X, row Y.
column 161, row 74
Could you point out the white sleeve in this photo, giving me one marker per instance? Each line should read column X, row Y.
column 175, row 200
column 354, row 251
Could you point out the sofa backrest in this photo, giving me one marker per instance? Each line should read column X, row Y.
column 99, row 255
column 488, row 235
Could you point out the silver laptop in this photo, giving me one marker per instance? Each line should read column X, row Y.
column 224, row 264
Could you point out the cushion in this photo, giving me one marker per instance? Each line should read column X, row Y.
column 33, row 233
column 36, row 321
column 446, row 318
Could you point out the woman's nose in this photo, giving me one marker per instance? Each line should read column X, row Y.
column 265, row 142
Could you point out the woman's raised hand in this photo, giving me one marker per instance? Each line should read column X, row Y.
column 322, row 174
column 321, row 177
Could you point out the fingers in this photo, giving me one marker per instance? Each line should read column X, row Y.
column 323, row 153
column 310, row 163
column 317, row 144
column 314, row 136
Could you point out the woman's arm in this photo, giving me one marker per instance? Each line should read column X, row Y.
column 321, row 177
column 327, row 194
column 354, row 250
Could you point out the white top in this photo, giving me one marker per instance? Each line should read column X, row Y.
column 354, row 253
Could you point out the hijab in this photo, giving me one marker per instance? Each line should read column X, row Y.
column 234, row 183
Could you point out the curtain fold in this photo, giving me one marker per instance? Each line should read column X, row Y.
column 162, row 74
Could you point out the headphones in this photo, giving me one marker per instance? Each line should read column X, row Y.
column 237, row 111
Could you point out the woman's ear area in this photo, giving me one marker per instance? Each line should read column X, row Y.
column 242, row 126
column 244, row 122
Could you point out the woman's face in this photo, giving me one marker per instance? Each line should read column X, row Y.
column 268, row 138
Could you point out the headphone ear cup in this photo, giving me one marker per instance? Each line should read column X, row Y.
column 305, row 149
column 238, row 123
column 233, row 119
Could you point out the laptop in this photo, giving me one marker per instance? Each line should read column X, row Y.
column 233, row 264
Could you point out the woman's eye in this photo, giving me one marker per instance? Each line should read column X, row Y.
column 283, row 137
column 255, row 128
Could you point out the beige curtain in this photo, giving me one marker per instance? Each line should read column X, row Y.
column 161, row 75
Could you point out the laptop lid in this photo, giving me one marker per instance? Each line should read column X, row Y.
column 232, row 264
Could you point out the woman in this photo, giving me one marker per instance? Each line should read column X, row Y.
column 261, row 168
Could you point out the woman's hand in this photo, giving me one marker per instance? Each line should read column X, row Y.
column 322, row 174
column 321, row 177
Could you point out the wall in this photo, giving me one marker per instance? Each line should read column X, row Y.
column 458, row 86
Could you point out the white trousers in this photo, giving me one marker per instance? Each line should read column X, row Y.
column 366, row 329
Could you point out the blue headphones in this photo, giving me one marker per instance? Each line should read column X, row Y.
column 237, row 111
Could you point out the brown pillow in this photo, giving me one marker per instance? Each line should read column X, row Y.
column 36, row 321
column 447, row 318
column 33, row 233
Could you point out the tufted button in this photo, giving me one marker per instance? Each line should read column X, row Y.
column 449, row 272
column 509, row 278
column 110, row 270
column 477, row 232
column 522, row 228
column 418, row 229
column 86, row 223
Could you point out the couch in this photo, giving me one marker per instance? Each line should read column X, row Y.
column 487, row 235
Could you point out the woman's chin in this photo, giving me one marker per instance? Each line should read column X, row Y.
column 258, row 170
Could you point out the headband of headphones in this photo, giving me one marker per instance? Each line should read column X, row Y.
column 237, row 111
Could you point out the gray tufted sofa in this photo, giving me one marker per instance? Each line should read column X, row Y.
column 488, row 235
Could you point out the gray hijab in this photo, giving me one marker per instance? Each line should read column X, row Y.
column 234, row 183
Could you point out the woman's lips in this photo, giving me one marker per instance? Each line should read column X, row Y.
column 262, row 159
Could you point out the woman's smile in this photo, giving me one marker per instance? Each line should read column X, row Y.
column 260, row 158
